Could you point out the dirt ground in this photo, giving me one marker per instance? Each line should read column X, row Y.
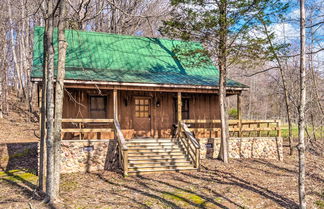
column 19, row 124
column 247, row 183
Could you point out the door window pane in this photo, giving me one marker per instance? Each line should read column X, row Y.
column 142, row 108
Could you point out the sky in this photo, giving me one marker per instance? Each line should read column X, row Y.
column 289, row 30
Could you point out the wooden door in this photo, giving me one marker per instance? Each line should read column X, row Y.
column 142, row 116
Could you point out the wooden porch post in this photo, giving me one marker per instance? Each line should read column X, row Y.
column 115, row 94
column 239, row 114
column 179, row 107
column 179, row 112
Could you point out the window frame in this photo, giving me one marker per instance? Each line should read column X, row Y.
column 105, row 109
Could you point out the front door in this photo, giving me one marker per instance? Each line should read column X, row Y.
column 142, row 116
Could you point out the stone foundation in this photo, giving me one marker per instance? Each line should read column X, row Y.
column 86, row 155
column 93, row 155
column 245, row 147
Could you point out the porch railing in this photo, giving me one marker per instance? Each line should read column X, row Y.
column 122, row 148
column 239, row 128
column 81, row 125
column 190, row 143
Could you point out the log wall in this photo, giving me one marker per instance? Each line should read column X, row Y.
column 163, row 110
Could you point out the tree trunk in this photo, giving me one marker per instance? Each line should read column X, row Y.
column 20, row 86
column 284, row 86
column 42, row 144
column 3, row 82
column 222, row 80
column 301, row 122
column 59, row 95
column 50, row 103
column 1, row 89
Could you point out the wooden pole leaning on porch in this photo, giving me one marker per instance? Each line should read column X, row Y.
column 239, row 114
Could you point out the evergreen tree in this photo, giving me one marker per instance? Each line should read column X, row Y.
column 230, row 30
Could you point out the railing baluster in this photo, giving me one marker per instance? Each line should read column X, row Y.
column 122, row 146
column 125, row 162
column 189, row 138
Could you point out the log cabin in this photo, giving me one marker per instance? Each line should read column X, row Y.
column 138, row 91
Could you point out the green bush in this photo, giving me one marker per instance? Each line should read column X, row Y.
column 233, row 113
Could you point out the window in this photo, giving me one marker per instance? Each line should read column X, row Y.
column 142, row 107
column 98, row 106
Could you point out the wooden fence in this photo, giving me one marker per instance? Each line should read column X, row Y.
column 238, row 128
column 81, row 125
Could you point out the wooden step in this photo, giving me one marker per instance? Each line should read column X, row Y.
column 153, row 157
column 150, row 143
column 155, row 153
column 148, row 140
column 159, row 164
column 131, row 146
column 168, row 150
column 149, row 171
column 174, row 167
column 158, row 159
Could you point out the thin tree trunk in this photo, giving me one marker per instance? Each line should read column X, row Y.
column 50, row 103
column 284, row 86
column 59, row 94
column 5, row 107
column 3, row 82
column 222, row 81
column 20, row 85
column 42, row 144
column 25, row 55
column 301, row 123
column 1, row 87
column 314, row 80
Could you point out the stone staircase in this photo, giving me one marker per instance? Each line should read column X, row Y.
column 148, row 155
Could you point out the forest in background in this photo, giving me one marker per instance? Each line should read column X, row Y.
column 265, row 97
column 269, row 58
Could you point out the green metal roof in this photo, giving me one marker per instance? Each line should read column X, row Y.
column 94, row 56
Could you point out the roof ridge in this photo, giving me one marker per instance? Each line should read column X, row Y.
column 125, row 35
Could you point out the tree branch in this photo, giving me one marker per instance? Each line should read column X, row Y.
column 316, row 24
column 262, row 71
column 308, row 53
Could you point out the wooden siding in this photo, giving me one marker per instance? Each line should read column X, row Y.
column 163, row 112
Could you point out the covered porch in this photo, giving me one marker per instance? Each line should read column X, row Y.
column 130, row 114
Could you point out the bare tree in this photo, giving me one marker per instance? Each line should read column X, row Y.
column 49, row 68
column 301, row 122
column 284, row 84
column 59, row 94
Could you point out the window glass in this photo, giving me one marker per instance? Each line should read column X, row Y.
column 142, row 108
column 98, row 106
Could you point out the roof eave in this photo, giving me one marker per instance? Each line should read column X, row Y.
column 88, row 82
